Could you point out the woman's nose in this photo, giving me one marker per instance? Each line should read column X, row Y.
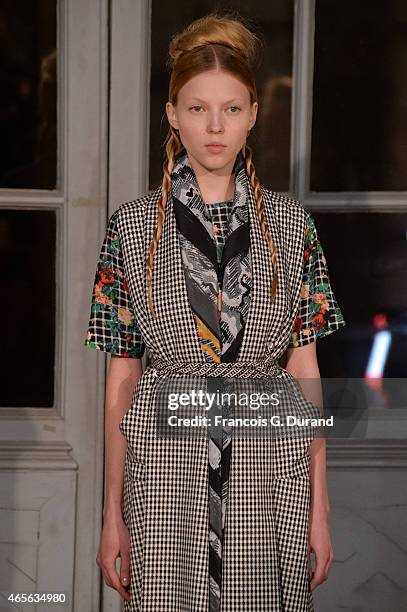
column 215, row 124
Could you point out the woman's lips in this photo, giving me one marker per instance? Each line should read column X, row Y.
column 215, row 148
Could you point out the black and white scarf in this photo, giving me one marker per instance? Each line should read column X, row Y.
column 220, row 338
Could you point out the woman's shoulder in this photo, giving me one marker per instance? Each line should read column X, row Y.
column 287, row 208
column 134, row 210
column 139, row 203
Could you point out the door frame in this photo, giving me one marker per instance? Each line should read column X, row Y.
column 129, row 118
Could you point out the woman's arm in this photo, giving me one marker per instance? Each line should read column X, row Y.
column 122, row 377
column 302, row 364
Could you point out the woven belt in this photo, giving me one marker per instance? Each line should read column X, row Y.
column 239, row 369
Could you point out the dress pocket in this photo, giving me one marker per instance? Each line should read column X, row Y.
column 123, row 421
column 136, row 470
column 133, row 485
column 291, row 459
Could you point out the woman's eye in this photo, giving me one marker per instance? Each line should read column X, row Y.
column 233, row 109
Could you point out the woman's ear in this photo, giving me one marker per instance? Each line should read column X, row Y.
column 253, row 114
column 171, row 115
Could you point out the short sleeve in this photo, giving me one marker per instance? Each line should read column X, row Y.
column 112, row 324
column 318, row 313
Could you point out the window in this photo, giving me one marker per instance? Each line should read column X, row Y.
column 28, row 161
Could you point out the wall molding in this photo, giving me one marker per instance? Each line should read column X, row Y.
column 44, row 456
column 366, row 454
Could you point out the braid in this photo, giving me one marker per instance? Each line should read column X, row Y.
column 247, row 154
column 172, row 147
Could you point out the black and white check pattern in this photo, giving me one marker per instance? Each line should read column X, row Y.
column 219, row 212
column 166, row 488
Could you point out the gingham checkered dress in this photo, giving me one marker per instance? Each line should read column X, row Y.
column 165, row 504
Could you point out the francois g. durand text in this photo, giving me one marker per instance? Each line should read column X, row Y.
column 275, row 421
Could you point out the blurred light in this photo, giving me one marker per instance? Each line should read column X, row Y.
column 380, row 321
column 378, row 354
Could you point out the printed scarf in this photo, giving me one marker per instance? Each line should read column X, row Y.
column 220, row 338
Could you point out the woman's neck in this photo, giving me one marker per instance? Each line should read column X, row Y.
column 214, row 187
column 217, row 190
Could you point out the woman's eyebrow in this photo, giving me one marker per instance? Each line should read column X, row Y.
column 227, row 101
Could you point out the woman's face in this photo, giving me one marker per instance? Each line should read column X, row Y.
column 213, row 108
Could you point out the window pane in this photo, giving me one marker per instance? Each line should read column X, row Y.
column 359, row 129
column 28, row 84
column 270, row 138
column 368, row 278
column 27, row 245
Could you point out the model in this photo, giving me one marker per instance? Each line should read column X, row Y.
column 218, row 278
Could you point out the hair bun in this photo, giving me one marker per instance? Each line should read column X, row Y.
column 214, row 29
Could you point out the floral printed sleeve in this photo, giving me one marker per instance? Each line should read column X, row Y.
column 112, row 325
column 318, row 313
